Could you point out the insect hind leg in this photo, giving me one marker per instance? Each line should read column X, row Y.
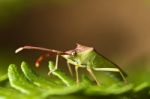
column 112, row 70
column 93, row 76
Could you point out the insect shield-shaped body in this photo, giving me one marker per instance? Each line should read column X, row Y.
column 87, row 57
column 81, row 57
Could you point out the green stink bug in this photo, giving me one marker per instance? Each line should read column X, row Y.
column 81, row 57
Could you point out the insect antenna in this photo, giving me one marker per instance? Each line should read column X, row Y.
column 39, row 48
column 49, row 53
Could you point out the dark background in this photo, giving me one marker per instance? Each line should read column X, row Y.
column 119, row 29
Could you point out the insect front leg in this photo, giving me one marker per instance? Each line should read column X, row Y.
column 112, row 70
column 92, row 74
column 41, row 58
column 56, row 65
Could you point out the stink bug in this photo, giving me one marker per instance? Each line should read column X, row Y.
column 81, row 57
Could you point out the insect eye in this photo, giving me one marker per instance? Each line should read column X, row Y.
column 73, row 53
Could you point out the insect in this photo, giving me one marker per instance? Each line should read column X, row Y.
column 81, row 57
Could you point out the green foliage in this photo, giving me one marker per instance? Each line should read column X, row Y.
column 24, row 83
column 3, row 77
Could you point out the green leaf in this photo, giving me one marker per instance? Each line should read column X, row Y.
column 3, row 78
column 10, row 93
column 61, row 75
column 115, row 89
column 35, row 79
column 24, row 83
column 20, row 83
column 142, row 90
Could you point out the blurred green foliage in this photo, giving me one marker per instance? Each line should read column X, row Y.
column 25, row 83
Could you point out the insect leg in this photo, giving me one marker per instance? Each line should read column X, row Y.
column 125, row 80
column 56, row 65
column 77, row 75
column 112, row 70
column 41, row 58
column 69, row 67
column 92, row 74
